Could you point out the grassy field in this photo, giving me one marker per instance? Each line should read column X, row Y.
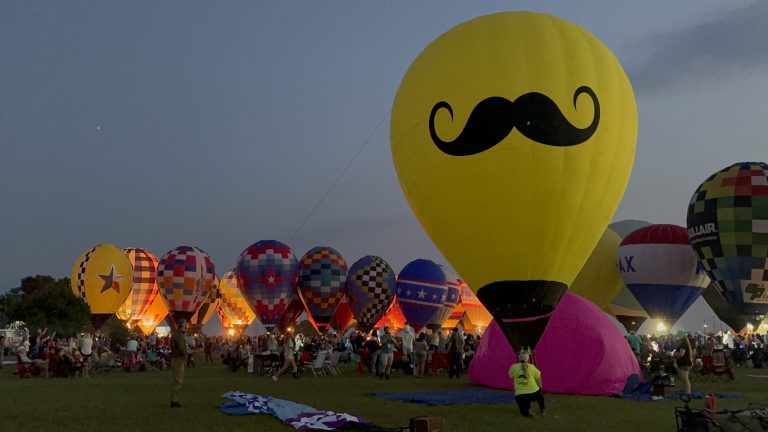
column 115, row 401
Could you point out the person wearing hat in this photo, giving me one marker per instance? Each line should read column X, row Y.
column 387, row 353
column 527, row 384
column 178, row 361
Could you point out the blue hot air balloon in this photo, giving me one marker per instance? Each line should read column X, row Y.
column 268, row 271
column 421, row 290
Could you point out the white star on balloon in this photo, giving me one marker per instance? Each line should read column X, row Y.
column 422, row 294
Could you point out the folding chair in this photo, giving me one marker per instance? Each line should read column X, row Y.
column 318, row 365
column 332, row 363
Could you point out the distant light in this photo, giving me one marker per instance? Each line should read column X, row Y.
column 661, row 327
column 231, row 332
column 750, row 327
column 705, row 325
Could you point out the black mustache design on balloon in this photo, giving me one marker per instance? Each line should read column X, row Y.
column 535, row 115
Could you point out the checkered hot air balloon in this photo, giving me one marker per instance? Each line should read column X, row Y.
column 661, row 270
column 102, row 276
column 268, row 272
column 185, row 276
column 144, row 280
column 233, row 303
column 451, row 300
column 421, row 291
column 728, row 228
column 370, row 289
column 323, row 274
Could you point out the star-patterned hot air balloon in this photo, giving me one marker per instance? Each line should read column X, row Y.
column 268, row 271
column 421, row 291
column 102, row 276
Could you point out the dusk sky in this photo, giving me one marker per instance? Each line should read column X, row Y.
column 217, row 124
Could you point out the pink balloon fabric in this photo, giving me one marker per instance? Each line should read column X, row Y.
column 581, row 352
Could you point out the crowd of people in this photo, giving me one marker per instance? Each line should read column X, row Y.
column 682, row 353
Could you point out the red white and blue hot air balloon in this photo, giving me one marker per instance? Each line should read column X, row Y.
column 451, row 300
column 660, row 268
column 421, row 291
column 268, row 271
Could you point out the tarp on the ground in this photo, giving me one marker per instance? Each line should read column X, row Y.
column 580, row 352
column 451, row 397
column 299, row 416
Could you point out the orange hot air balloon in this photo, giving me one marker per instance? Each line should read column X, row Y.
column 153, row 316
column 233, row 303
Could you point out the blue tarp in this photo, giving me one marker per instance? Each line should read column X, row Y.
column 451, row 397
column 643, row 391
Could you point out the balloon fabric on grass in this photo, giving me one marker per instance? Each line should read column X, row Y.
column 526, row 123
column 728, row 227
column 661, row 270
column 268, row 272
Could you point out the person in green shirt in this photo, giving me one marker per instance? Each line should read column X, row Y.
column 527, row 384
column 387, row 353
column 178, row 361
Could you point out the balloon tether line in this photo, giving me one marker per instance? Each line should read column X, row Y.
column 341, row 174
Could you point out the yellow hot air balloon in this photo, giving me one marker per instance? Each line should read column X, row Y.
column 599, row 280
column 513, row 136
column 233, row 304
column 102, row 276
column 153, row 316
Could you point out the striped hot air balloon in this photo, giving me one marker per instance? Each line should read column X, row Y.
column 661, row 270
column 144, row 280
column 421, row 291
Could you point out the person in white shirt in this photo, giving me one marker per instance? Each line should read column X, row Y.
column 86, row 349
column 408, row 336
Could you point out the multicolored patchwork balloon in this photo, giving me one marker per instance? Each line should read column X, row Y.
column 728, row 227
column 421, row 291
column 268, row 272
column 102, row 276
column 451, row 300
column 322, row 278
column 232, row 301
column 144, row 279
column 185, row 276
column 371, row 286
column 661, row 270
